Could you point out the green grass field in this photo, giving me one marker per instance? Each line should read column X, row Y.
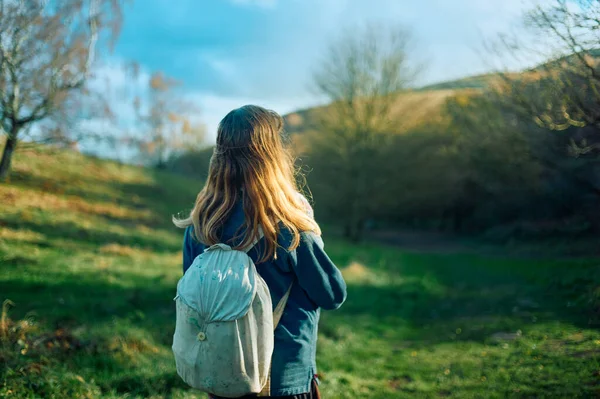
column 89, row 263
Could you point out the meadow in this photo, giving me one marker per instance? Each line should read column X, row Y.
column 89, row 261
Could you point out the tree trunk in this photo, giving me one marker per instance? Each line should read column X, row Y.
column 9, row 149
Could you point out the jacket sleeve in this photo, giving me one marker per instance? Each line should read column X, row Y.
column 188, row 248
column 317, row 274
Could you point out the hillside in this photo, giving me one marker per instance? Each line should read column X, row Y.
column 89, row 261
column 80, row 192
column 412, row 108
column 472, row 82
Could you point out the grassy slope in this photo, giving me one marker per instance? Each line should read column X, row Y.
column 411, row 110
column 89, row 258
column 470, row 82
column 88, row 253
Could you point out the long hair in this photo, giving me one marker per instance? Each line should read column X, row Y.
column 251, row 164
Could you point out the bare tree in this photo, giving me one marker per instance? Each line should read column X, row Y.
column 363, row 74
column 560, row 94
column 46, row 53
column 168, row 121
column 565, row 91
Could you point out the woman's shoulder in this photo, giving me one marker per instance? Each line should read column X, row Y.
column 189, row 235
column 190, row 242
column 307, row 239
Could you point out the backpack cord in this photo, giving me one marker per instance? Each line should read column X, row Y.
column 261, row 234
column 277, row 313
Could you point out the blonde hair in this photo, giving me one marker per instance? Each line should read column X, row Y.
column 251, row 164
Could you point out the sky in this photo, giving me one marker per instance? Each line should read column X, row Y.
column 227, row 53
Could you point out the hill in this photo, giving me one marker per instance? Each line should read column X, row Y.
column 472, row 82
column 412, row 108
column 89, row 262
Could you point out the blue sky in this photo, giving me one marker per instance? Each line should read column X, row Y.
column 231, row 52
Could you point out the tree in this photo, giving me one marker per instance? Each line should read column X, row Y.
column 169, row 122
column 362, row 75
column 46, row 52
column 564, row 92
column 498, row 169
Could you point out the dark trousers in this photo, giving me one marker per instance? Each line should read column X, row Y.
column 313, row 394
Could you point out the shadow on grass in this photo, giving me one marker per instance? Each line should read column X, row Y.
column 478, row 307
column 101, row 315
column 162, row 193
column 85, row 302
column 59, row 185
column 167, row 194
column 147, row 385
column 70, row 231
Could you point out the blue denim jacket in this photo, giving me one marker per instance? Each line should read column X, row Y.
column 317, row 283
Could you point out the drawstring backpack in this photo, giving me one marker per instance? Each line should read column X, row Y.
column 223, row 339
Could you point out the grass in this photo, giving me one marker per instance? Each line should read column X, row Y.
column 413, row 110
column 471, row 82
column 89, row 263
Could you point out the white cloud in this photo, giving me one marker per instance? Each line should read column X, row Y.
column 225, row 66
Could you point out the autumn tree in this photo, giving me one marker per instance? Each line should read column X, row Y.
column 167, row 122
column 362, row 74
column 47, row 50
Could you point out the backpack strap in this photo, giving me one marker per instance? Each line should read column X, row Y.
column 277, row 313
column 261, row 234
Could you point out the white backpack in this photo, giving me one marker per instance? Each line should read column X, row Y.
column 223, row 339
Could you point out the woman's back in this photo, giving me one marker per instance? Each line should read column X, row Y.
column 251, row 189
column 317, row 283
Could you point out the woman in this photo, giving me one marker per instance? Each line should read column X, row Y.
column 251, row 183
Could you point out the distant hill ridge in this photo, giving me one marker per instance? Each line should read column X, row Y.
column 424, row 103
